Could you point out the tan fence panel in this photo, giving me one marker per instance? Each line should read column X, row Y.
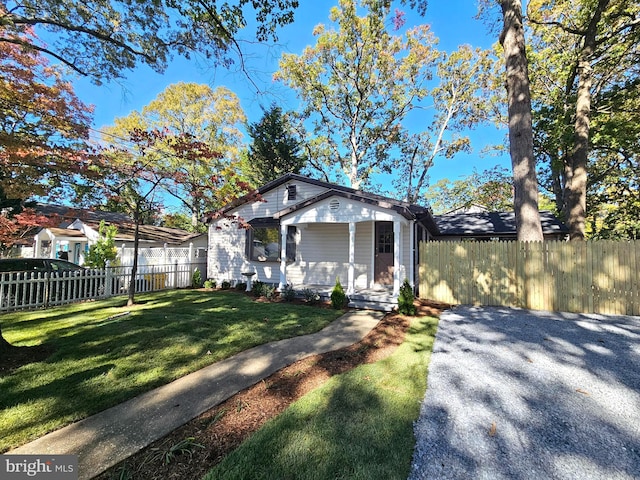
column 593, row 276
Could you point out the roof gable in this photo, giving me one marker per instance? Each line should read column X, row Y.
column 356, row 197
column 404, row 208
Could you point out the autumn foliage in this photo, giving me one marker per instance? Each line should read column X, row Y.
column 13, row 229
column 43, row 125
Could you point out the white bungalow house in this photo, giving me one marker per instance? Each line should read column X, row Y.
column 308, row 233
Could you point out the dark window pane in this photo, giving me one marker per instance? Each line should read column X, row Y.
column 264, row 244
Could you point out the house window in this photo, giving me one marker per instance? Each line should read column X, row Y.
column 291, row 192
column 263, row 243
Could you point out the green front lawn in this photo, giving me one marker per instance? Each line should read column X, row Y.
column 102, row 358
column 358, row 426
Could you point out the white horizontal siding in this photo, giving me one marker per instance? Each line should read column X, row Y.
column 323, row 255
column 226, row 259
column 226, row 251
column 364, row 255
column 323, row 240
column 336, row 209
column 276, row 200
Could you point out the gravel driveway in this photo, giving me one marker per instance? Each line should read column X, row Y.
column 518, row 394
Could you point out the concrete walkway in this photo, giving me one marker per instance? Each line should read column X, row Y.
column 111, row 436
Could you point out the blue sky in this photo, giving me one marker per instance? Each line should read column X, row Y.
column 452, row 22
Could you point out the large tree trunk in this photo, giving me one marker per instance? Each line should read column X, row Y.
column 134, row 269
column 576, row 186
column 525, row 183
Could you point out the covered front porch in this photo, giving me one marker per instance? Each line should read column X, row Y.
column 368, row 246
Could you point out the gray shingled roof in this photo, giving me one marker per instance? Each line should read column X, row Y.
column 86, row 215
column 492, row 223
column 466, row 224
column 126, row 227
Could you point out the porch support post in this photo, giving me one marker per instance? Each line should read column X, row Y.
column 352, row 259
column 397, row 255
column 283, row 257
column 37, row 248
column 413, row 255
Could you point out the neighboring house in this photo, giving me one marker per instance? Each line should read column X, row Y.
column 308, row 233
column 78, row 230
column 479, row 225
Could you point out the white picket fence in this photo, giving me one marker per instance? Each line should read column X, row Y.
column 29, row 290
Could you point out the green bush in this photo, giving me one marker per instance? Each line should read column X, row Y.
column 241, row 286
column 209, row 283
column 310, row 296
column 405, row 299
column 225, row 285
column 258, row 288
column 196, row 279
column 268, row 291
column 338, row 297
column 262, row 289
column 288, row 294
column 104, row 250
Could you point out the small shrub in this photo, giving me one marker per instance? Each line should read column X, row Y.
column 196, row 279
column 338, row 297
column 258, row 288
column 405, row 299
column 268, row 291
column 310, row 296
column 288, row 294
column 225, row 285
column 209, row 283
column 241, row 286
column 186, row 446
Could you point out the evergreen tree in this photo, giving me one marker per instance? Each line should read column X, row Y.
column 275, row 149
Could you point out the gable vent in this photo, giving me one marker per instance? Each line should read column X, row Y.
column 291, row 192
column 334, row 205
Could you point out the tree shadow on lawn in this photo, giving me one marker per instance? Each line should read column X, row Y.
column 13, row 357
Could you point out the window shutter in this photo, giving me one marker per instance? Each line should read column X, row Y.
column 291, row 243
column 247, row 243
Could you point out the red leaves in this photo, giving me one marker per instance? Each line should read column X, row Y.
column 14, row 229
column 44, row 125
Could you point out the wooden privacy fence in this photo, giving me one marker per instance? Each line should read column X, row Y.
column 599, row 276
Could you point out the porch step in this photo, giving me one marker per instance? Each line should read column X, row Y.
column 372, row 305
column 381, row 301
column 370, row 299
